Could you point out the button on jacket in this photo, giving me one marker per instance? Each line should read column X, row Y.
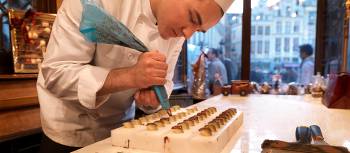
column 74, row 70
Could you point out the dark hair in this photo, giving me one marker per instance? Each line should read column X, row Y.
column 214, row 51
column 306, row 48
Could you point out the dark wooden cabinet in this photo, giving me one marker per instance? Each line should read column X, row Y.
column 20, row 130
column 333, row 35
column 46, row 6
column 17, row 91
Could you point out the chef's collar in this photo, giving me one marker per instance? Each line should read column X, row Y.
column 147, row 11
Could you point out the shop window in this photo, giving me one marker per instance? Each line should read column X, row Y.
column 295, row 44
column 278, row 27
column 278, row 45
column 260, row 47
column 253, row 47
column 286, row 45
column 267, row 30
column 296, row 28
column 288, row 27
column 267, row 47
column 289, row 33
column 260, row 30
column 253, row 30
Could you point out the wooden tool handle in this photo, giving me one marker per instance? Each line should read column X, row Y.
column 281, row 146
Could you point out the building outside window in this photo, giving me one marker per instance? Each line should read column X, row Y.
column 296, row 27
column 278, row 45
column 267, row 47
column 275, row 36
column 253, row 30
column 286, row 45
column 278, row 27
column 288, row 28
column 312, row 18
column 253, row 47
column 260, row 30
column 295, row 44
column 293, row 26
column 288, row 11
column 295, row 60
column 267, row 30
column 260, row 47
column 279, row 13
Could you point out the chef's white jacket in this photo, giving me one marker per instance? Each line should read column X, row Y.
column 74, row 69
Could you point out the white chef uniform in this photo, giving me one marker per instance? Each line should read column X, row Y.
column 74, row 69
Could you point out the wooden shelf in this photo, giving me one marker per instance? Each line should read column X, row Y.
column 16, row 93
column 18, row 123
column 19, row 106
column 17, row 76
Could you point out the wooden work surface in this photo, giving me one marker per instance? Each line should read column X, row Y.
column 19, row 122
column 19, row 106
column 268, row 117
column 17, row 92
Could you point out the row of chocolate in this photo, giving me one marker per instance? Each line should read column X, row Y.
column 161, row 116
column 193, row 120
column 171, row 119
column 217, row 123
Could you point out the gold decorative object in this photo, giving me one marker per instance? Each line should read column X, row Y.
column 30, row 33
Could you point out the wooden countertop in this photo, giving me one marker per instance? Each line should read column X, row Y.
column 268, row 117
column 19, row 106
column 17, row 92
column 19, row 122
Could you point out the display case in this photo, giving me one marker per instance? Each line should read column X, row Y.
column 30, row 32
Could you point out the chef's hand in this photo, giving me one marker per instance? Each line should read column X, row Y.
column 151, row 69
column 146, row 99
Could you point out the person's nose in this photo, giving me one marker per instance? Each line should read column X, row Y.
column 189, row 31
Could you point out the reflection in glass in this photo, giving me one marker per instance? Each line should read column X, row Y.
column 5, row 30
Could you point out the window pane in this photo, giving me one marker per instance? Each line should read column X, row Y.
column 226, row 36
column 278, row 27
column 295, row 44
column 296, row 27
column 278, row 46
column 253, row 49
column 260, row 30
column 267, row 47
column 267, row 30
column 253, row 30
column 286, row 45
column 259, row 47
column 292, row 24
column 288, row 27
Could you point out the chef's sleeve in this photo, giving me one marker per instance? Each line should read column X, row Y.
column 67, row 68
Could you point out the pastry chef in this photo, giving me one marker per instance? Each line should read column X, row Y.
column 85, row 90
